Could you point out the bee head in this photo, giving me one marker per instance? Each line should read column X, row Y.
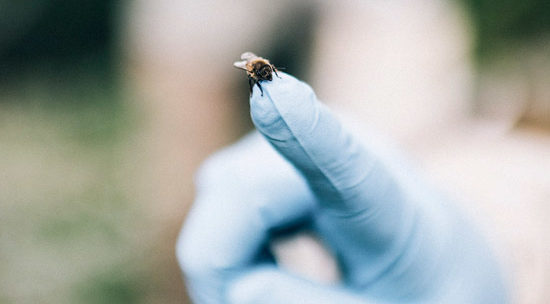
column 265, row 72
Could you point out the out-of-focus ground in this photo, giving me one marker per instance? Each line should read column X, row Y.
column 96, row 169
column 72, row 229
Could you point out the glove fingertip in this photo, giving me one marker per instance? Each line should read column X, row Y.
column 287, row 107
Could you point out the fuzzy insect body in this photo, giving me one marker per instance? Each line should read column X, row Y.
column 257, row 69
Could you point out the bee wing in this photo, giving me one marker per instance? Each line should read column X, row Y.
column 240, row 65
column 248, row 56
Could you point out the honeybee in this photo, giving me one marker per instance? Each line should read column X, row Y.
column 257, row 69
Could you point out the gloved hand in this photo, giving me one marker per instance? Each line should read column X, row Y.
column 396, row 239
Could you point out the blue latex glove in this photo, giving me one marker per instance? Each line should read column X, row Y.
column 395, row 239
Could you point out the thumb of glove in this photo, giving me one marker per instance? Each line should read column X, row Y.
column 269, row 284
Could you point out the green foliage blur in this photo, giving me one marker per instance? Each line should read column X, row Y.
column 68, row 215
column 506, row 24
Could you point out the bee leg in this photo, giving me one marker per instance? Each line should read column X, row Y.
column 251, row 83
column 275, row 70
column 259, row 86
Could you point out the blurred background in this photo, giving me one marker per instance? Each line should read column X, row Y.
column 108, row 107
